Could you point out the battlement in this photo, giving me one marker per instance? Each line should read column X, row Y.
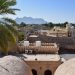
column 38, row 48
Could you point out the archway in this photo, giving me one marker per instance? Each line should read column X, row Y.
column 47, row 72
column 34, row 72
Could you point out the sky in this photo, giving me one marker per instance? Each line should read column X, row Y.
column 56, row 11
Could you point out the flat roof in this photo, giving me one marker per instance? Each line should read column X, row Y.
column 42, row 57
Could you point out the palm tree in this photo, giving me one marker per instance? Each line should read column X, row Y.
column 7, row 31
column 6, row 38
column 5, row 7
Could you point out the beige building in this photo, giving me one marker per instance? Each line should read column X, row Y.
column 42, row 64
column 57, row 31
column 38, row 48
column 42, row 58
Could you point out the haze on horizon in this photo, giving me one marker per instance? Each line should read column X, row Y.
column 56, row 11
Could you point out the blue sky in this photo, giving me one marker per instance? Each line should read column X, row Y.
column 51, row 10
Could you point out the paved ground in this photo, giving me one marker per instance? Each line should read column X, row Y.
column 67, row 56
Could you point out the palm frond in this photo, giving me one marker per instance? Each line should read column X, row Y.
column 5, row 7
column 7, row 31
column 7, row 11
column 12, row 29
column 7, row 3
column 6, row 38
column 8, row 34
column 10, row 21
column 10, row 24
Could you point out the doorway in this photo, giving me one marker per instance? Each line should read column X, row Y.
column 48, row 72
column 34, row 72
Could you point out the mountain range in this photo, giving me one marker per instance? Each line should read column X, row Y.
column 30, row 20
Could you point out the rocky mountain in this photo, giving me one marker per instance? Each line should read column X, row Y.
column 30, row 20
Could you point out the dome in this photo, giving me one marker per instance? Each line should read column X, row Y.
column 12, row 65
column 67, row 68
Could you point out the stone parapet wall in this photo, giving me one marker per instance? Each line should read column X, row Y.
column 40, row 49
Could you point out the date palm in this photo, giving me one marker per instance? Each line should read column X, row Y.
column 7, row 30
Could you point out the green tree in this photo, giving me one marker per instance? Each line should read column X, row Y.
column 65, row 23
column 7, row 30
column 6, row 7
column 22, row 24
column 21, row 36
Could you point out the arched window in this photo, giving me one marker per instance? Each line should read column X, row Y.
column 48, row 72
column 34, row 72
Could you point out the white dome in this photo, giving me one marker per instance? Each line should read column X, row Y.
column 12, row 65
column 67, row 68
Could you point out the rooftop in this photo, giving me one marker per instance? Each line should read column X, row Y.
column 42, row 57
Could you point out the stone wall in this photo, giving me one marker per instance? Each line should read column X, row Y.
column 48, row 39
